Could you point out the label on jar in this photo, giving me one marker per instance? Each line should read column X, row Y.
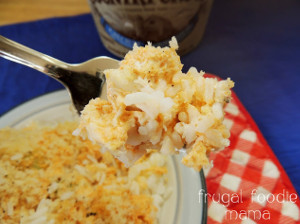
column 121, row 23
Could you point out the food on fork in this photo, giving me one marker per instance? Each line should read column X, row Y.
column 152, row 105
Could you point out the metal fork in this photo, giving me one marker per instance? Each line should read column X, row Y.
column 84, row 81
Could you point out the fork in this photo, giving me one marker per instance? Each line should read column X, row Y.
column 83, row 81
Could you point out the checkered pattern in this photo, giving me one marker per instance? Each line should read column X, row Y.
column 246, row 178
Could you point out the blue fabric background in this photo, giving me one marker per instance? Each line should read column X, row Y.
column 256, row 43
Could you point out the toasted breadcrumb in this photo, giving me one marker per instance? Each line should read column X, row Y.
column 48, row 175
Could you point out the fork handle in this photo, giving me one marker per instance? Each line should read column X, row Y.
column 21, row 54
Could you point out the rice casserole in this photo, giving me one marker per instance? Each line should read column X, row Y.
column 152, row 105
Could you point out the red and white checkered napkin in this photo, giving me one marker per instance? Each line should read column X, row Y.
column 246, row 183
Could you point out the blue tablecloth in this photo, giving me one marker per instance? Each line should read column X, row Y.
column 256, row 43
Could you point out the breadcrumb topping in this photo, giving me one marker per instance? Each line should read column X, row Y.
column 48, row 175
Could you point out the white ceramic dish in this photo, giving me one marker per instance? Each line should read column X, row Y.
column 185, row 206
